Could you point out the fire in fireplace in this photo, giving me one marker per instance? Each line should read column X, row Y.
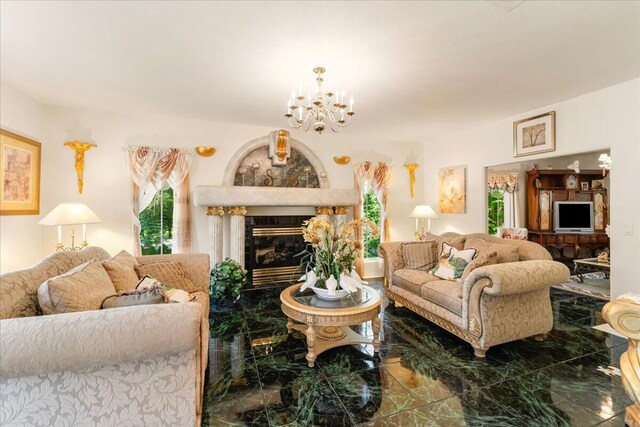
column 270, row 248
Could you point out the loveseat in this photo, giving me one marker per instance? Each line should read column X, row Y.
column 495, row 303
column 138, row 365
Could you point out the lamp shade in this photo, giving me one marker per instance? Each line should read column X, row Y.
column 70, row 214
column 423, row 211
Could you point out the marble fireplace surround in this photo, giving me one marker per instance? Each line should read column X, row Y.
column 231, row 200
column 220, row 200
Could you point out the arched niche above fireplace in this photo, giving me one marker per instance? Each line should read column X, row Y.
column 252, row 166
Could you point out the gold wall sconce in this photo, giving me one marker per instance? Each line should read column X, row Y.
column 342, row 160
column 411, row 167
column 205, row 150
column 80, row 148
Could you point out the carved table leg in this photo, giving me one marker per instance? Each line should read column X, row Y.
column 289, row 325
column 311, row 340
column 376, row 333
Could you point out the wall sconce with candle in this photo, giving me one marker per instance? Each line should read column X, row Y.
column 342, row 160
column 205, row 150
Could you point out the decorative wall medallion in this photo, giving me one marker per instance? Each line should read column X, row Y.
column 257, row 169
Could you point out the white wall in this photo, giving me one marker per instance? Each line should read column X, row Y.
column 21, row 236
column 107, row 188
column 608, row 118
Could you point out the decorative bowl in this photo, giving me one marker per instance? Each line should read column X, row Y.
column 324, row 294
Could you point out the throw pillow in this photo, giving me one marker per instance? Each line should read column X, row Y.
column 455, row 241
column 452, row 263
column 151, row 295
column 482, row 260
column 419, row 255
column 122, row 271
column 79, row 289
column 169, row 294
column 506, row 252
column 169, row 273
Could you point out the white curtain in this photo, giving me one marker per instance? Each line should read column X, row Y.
column 376, row 176
column 150, row 168
column 506, row 182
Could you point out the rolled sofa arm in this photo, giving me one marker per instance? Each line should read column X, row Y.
column 74, row 341
column 391, row 253
column 519, row 277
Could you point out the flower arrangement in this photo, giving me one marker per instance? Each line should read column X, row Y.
column 332, row 252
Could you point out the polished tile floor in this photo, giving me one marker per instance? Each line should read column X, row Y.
column 423, row 375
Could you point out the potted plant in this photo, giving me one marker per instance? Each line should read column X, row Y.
column 227, row 280
column 331, row 255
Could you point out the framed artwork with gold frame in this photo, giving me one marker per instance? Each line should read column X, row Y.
column 20, row 171
column 534, row 135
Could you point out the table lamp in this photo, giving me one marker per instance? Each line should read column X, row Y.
column 422, row 212
column 71, row 214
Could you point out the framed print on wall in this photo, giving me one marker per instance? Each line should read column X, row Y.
column 452, row 192
column 534, row 135
column 20, row 171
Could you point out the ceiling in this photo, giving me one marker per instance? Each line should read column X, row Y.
column 417, row 69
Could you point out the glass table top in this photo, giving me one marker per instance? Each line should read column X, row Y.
column 356, row 299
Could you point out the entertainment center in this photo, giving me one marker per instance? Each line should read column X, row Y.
column 564, row 210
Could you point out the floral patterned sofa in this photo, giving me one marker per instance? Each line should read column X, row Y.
column 495, row 303
column 140, row 365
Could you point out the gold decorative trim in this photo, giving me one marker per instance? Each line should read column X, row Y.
column 324, row 210
column 237, row 211
column 278, row 231
column 331, row 333
column 215, row 211
column 341, row 210
column 474, row 326
column 435, row 319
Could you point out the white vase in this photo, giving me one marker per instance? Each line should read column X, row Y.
column 324, row 294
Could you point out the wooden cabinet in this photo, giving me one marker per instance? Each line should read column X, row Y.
column 544, row 187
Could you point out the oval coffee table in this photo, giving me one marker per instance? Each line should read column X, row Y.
column 326, row 323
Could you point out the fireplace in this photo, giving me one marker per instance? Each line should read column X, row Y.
column 271, row 243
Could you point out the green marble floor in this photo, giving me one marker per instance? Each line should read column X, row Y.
column 423, row 375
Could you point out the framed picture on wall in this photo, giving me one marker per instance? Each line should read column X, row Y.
column 534, row 135
column 20, row 171
column 452, row 192
column 597, row 184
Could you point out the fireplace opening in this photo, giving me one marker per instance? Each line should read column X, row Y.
column 271, row 246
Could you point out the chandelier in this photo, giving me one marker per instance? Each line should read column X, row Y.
column 320, row 110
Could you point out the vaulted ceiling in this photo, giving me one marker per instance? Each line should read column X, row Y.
column 416, row 68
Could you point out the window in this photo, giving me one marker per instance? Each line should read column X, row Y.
column 495, row 211
column 371, row 211
column 156, row 223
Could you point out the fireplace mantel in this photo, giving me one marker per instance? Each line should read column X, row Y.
column 230, row 196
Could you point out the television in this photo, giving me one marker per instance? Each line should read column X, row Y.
column 573, row 217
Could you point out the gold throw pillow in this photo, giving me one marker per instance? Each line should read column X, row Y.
column 122, row 271
column 80, row 289
column 169, row 273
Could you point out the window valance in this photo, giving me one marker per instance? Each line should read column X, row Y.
column 506, row 181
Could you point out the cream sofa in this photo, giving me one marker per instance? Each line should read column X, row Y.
column 495, row 304
column 141, row 365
